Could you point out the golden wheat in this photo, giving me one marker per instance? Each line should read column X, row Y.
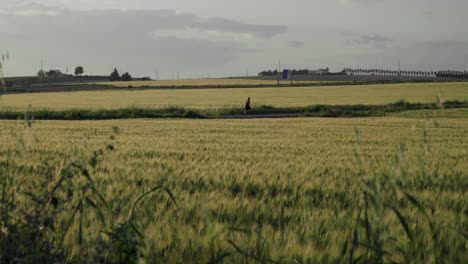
column 217, row 98
column 294, row 183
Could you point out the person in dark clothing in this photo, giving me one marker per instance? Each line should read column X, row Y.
column 247, row 106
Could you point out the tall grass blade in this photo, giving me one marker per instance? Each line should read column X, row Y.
column 402, row 221
column 132, row 211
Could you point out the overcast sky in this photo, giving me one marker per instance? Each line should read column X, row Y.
column 201, row 38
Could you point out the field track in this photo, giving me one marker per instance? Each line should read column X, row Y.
column 231, row 113
column 261, row 116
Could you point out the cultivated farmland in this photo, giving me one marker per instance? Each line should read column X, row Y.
column 218, row 98
column 301, row 190
column 288, row 190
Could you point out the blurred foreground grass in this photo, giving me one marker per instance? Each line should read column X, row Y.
column 291, row 190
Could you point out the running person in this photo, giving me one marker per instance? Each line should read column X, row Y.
column 247, row 106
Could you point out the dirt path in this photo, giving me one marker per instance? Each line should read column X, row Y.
column 261, row 116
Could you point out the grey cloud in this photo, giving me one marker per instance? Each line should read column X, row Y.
column 435, row 54
column 430, row 13
column 366, row 1
column 194, row 53
column 117, row 36
column 374, row 40
column 448, row 44
column 148, row 39
column 296, row 44
column 236, row 27
column 134, row 20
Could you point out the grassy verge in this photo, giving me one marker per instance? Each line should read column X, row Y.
column 439, row 113
column 180, row 112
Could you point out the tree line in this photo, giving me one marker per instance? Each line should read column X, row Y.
column 114, row 76
column 382, row 72
column 79, row 70
column 275, row 72
column 55, row 74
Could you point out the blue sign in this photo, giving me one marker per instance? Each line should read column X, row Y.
column 285, row 74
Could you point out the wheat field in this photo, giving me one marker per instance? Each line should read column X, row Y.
column 218, row 98
column 249, row 191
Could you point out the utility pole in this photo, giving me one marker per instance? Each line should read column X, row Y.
column 178, row 76
column 291, row 72
column 399, row 68
column 279, row 69
column 42, row 74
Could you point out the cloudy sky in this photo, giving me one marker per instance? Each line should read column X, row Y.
column 217, row 38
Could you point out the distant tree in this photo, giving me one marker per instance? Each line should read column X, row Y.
column 114, row 76
column 126, row 77
column 41, row 74
column 79, row 70
column 54, row 74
